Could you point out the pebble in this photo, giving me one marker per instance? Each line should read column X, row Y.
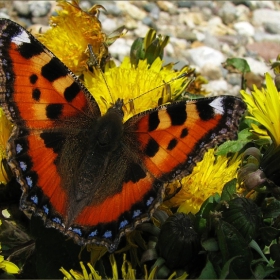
column 39, row 8
column 217, row 87
column 267, row 50
column 244, row 28
column 109, row 25
column 203, row 55
column 228, row 13
column 131, row 10
column 202, row 33
column 120, row 48
column 22, row 8
column 211, row 71
column 257, row 66
column 261, row 16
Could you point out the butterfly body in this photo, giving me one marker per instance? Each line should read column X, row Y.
column 96, row 177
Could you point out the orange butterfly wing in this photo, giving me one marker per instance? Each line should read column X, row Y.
column 43, row 98
column 87, row 184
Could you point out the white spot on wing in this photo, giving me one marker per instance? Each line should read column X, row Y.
column 23, row 165
column 21, row 38
column 123, row 224
column 108, row 234
column 149, row 201
column 136, row 213
column 18, row 148
column 217, row 104
column 29, row 181
column 93, row 233
column 46, row 209
column 34, row 198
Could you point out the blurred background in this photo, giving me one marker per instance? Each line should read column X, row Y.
column 202, row 33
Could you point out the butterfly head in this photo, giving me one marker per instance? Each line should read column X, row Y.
column 117, row 107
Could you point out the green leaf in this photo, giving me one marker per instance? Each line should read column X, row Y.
column 234, row 146
column 202, row 215
column 229, row 190
column 226, row 271
column 253, row 244
column 272, row 210
column 208, row 272
column 137, row 51
column 231, row 244
column 262, row 271
column 268, row 234
column 210, row 244
column 239, row 64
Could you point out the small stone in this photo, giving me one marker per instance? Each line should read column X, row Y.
column 141, row 30
column 109, row 25
column 216, row 87
column 22, row 8
column 153, row 9
column 266, row 50
column 112, row 9
column 264, row 4
column 192, row 20
column 149, row 22
column 234, row 79
column 85, row 5
column 169, row 50
column 203, row 55
column 257, row 67
column 211, row 71
column 272, row 27
column 261, row 37
column 187, row 34
column 260, row 16
column 244, row 28
column 228, row 13
column 167, row 6
column 120, row 48
column 243, row 13
column 4, row 15
column 184, row 4
column 211, row 41
column 215, row 27
column 39, row 9
column 180, row 43
column 38, row 29
column 131, row 10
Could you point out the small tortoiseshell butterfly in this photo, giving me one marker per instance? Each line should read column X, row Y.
column 94, row 177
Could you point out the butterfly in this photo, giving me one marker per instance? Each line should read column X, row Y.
column 91, row 176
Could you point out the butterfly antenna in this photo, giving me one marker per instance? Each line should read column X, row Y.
column 161, row 85
column 96, row 63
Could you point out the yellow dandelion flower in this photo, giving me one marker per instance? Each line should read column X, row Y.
column 208, row 177
column 8, row 266
column 127, row 271
column 72, row 30
column 5, row 131
column 264, row 107
column 72, row 274
column 144, row 85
